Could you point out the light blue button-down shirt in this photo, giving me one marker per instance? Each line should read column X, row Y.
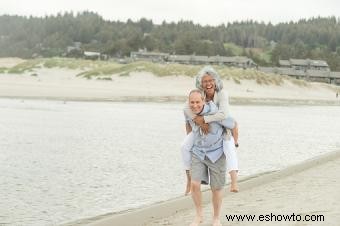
column 210, row 144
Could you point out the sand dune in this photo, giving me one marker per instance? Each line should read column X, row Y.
column 60, row 83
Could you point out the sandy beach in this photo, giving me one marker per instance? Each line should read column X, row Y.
column 62, row 83
column 309, row 189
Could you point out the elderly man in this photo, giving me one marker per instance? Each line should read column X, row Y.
column 208, row 164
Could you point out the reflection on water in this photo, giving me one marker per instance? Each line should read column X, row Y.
column 66, row 161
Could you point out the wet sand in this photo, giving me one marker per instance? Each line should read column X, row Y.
column 310, row 188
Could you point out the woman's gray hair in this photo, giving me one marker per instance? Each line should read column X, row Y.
column 208, row 70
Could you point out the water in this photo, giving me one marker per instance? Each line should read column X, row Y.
column 62, row 162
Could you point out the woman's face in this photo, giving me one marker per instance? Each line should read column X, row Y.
column 208, row 85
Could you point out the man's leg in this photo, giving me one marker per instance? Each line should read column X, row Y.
column 199, row 174
column 217, row 172
column 187, row 190
column 186, row 157
column 217, row 195
column 197, row 198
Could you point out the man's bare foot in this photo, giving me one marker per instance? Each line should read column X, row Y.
column 234, row 188
column 197, row 221
column 217, row 222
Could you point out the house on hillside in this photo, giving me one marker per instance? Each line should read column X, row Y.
column 181, row 59
column 74, row 50
column 149, row 56
column 304, row 64
column 91, row 55
column 284, row 63
column 238, row 61
column 189, row 59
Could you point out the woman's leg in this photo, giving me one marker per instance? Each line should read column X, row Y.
column 232, row 163
column 230, row 123
column 234, row 132
column 233, row 178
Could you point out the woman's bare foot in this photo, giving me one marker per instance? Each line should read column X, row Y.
column 234, row 187
column 233, row 177
column 217, row 222
column 197, row 221
column 187, row 190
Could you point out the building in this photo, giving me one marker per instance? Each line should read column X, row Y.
column 304, row 64
column 149, row 56
column 91, row 55
column 237, row 61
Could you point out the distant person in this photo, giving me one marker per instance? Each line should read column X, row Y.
column 208, row 163
column 337, row 95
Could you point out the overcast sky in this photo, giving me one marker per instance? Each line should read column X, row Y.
column 213, row 12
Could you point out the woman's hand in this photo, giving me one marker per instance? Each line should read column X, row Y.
column 199, row 120
column 205, row 128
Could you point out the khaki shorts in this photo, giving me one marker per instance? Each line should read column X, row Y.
column 205, row 170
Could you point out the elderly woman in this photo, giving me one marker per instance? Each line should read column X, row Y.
column 210, row 83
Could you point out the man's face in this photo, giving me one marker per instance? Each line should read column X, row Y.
column 208, row 84
column 196, row 102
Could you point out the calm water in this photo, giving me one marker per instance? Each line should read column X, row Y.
column 61, row 162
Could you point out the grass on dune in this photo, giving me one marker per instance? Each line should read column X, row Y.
column 72, row 63
column 3, row 69
column 28, row 65
column 105, row 69
column 154, row 68
column 237, row 74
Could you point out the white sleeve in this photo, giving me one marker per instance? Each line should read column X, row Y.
column 222, row 102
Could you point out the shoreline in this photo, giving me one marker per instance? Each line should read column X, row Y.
column 182, row 99
column 164, row 209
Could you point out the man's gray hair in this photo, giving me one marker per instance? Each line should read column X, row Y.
column 208, row 70
column 197, row 91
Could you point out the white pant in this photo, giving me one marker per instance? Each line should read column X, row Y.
column 228, row 149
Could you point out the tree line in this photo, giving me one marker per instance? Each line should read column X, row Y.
column 265, row 43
